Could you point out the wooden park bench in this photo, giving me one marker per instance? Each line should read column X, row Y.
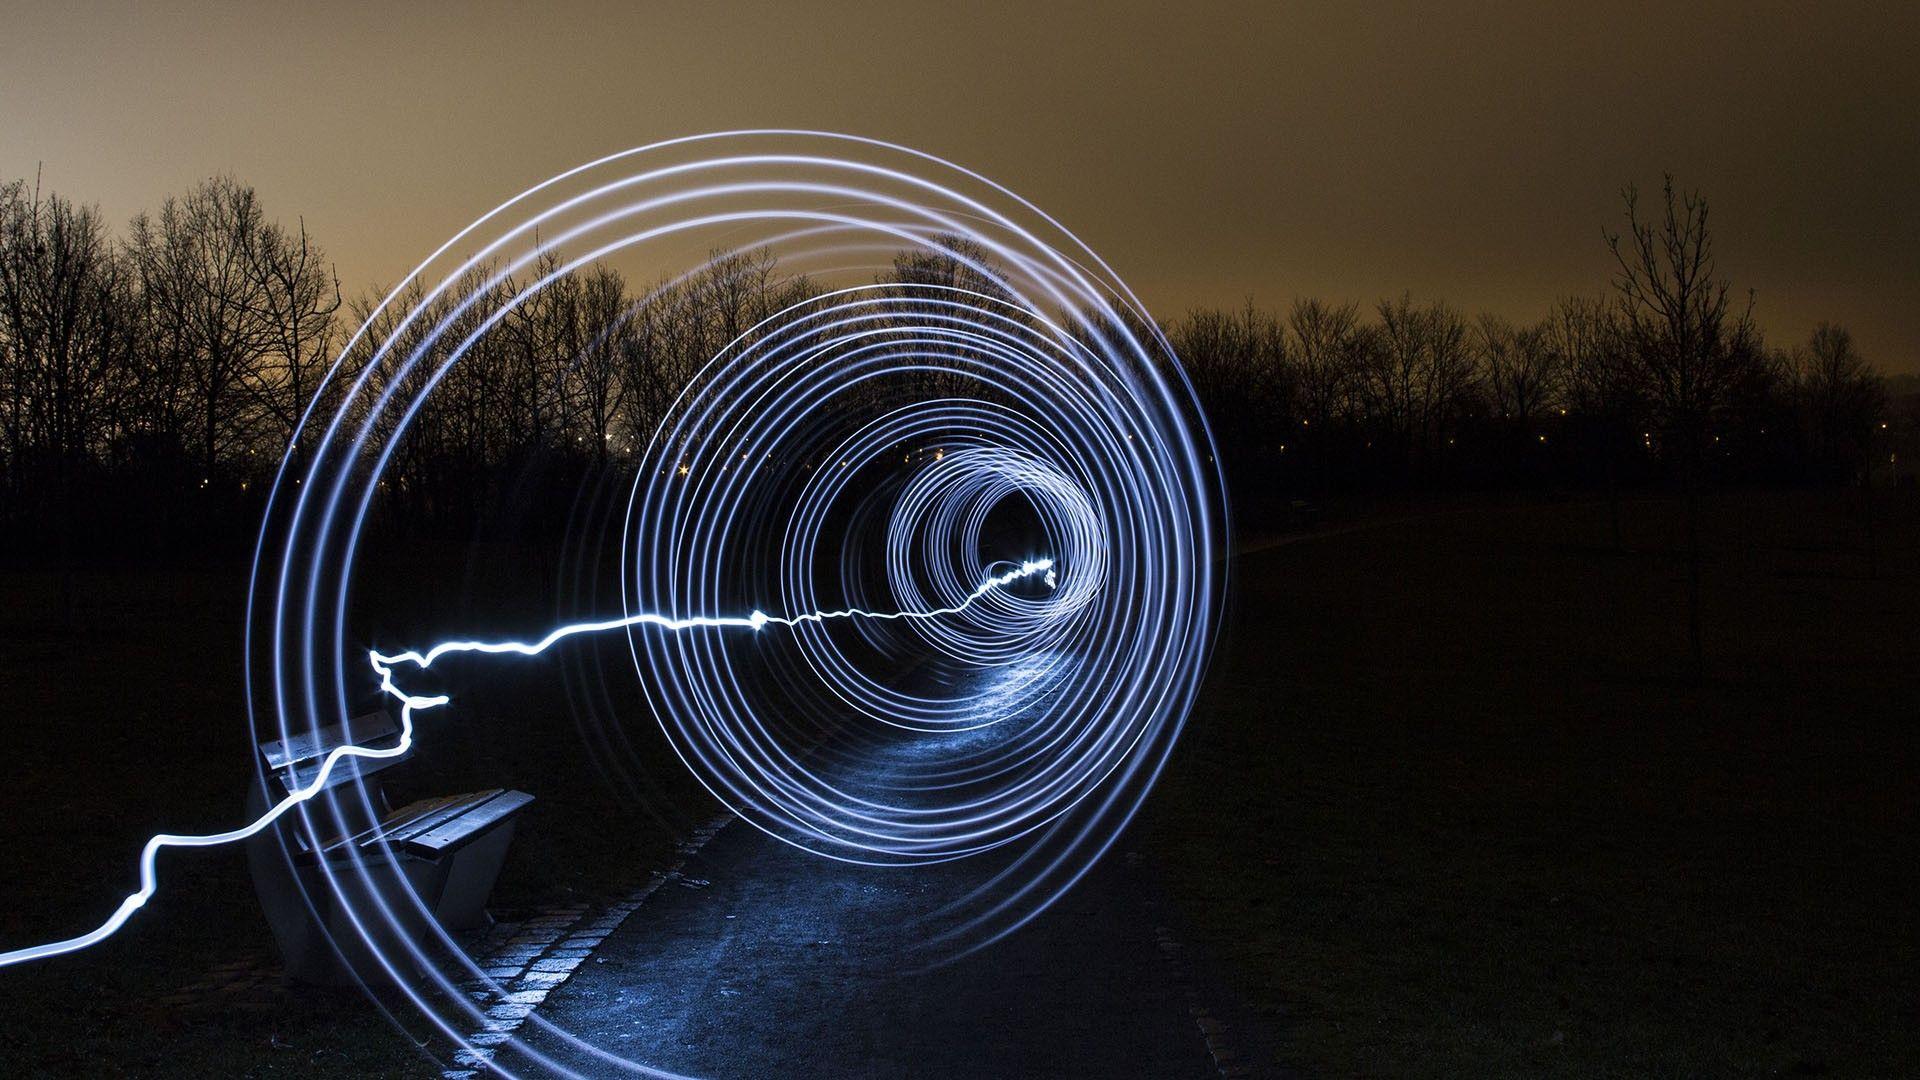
column 359, row 853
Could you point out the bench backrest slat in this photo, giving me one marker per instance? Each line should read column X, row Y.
column 298, row 760
column 373, row 727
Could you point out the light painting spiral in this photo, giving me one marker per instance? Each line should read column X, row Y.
column 921, row 565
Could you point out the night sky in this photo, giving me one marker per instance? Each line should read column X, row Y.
column 1266, row 151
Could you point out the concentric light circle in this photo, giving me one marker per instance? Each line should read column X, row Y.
column 961, row 389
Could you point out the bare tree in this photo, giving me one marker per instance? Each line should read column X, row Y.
column 297, row 298
column 199, row 275
column 1600, row 389
column 1418, row 373
column 1688, row 348
column 1838, row 396
column 1840, row 399
column 1522, row 367
column 946, row 262
column 536, row 329
column 65, row 329
column 650, row 352
column 66, row 339
column 599, row 369
column 1238, row 365
column 1325, row 345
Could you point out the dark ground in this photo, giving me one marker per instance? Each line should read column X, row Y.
column 1451, row 805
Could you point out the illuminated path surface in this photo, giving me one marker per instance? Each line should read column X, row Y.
column 783, row 966
column 789, row 965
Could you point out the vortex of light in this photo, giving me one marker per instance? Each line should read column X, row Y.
column 960, row 386
column 1051, row 423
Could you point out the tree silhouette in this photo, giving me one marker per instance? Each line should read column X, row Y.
column 1688, row 349
column 166, row 375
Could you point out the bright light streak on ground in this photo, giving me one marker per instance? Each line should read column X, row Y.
column 383, row 665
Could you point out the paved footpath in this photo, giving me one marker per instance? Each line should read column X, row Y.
column 759, row 960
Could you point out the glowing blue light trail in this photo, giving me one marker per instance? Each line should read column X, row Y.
column 383, row 665
column 1021, row 386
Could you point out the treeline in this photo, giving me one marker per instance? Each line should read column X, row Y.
column 1662, row 378
column 151, row 382
column 570, row 384
column 147, row 381
column 150, row 385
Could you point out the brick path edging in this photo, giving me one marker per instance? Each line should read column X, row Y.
column 531, row 959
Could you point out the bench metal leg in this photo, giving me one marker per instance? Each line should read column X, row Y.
column 470, row 874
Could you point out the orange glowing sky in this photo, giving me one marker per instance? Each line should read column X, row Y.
column 1262, row 150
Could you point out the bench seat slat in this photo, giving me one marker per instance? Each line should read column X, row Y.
column 449, row 807
column 451, row 834
column 404, row 823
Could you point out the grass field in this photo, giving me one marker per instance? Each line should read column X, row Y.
column 144, row 684
column 1452, row 805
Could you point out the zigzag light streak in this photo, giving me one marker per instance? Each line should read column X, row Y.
column 383, row 665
